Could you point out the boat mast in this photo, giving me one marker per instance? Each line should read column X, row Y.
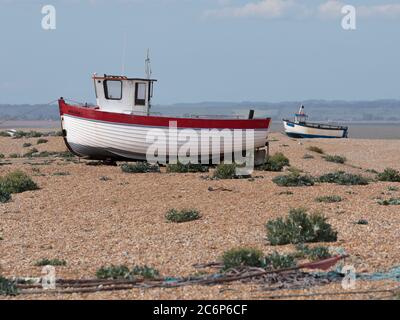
column 148, row 65
column 148, row 71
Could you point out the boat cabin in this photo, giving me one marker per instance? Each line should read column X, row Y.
column 123, row 95
column 301, row 116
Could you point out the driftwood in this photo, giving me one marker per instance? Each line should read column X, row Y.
column 96, row 285
column 336, row 293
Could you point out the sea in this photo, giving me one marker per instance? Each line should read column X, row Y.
column 358, row 130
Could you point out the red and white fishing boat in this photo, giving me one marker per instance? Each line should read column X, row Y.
column 119, row 126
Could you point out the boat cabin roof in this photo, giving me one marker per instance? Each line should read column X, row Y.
column 110, row 77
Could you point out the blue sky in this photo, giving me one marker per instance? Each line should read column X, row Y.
column 207, row 50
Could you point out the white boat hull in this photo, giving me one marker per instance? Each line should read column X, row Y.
column 297, row 130
column 106, row 140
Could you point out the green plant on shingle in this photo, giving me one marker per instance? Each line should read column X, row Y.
column 242, row 257
column 278, row 261
column 114, row 272
column 181, row 216
column 4, row 134
column 314, row 254
column 390, row 175
column 31, row 134
column 335, row 159
column 300, row 227
column 362, row 222
column 186, row 168
column 393, row 188
column 61, row 174
column 294, row 180
column 329, row 199
column 122, row 272
column 30, row 153
column 225, row 171
column 389, row 202
column 14, row 156
column 42, row 141
column 50, row 262
column 139, row 167
column 27, row 145
column 5, row 196
column 145, row 272
column 17, row 182
column 67, row 155
column 315, row 149
column 7, row 287
column 275, row 163
column 343, row 178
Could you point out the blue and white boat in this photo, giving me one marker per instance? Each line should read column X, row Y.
column 300, row 128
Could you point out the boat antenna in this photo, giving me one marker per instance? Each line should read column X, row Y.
column 124, row 53
column 148, row 70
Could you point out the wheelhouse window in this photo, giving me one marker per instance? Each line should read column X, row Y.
column 140, row 95
column 113, row 89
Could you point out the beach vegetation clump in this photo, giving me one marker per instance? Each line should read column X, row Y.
column 17, row 182
column 343, row 178
column 314, row 254
column 139, row 167
column 7, row 287
column 23, row 134
column 275, row 163
column 145, row 272
column 278, row 261
column 42, row 141
column 14, row 156
column 225, row 171
column 186, row 168
column 329, row 199
column 113, row 272
column 122, row 272
column 180, row 216
column 243, row 257
column 50, row 262
column 4, row 134
column 362, row 222
column 31, row 153
column 5, row 196
column 335, row 159
column 294, row 180
column 61, row 174
column 316, row 149
column 300, row 227
column 389, row 202
column 389, row 175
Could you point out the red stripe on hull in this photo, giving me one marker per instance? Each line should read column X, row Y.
column 152, row 121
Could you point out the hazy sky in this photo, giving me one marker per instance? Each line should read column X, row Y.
column 202, row 50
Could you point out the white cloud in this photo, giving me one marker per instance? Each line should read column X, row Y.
column 330, row 9
column 296, row 8
column 264, row 8
column 384, row 10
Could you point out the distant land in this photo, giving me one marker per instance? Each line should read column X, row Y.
column 319, row 110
